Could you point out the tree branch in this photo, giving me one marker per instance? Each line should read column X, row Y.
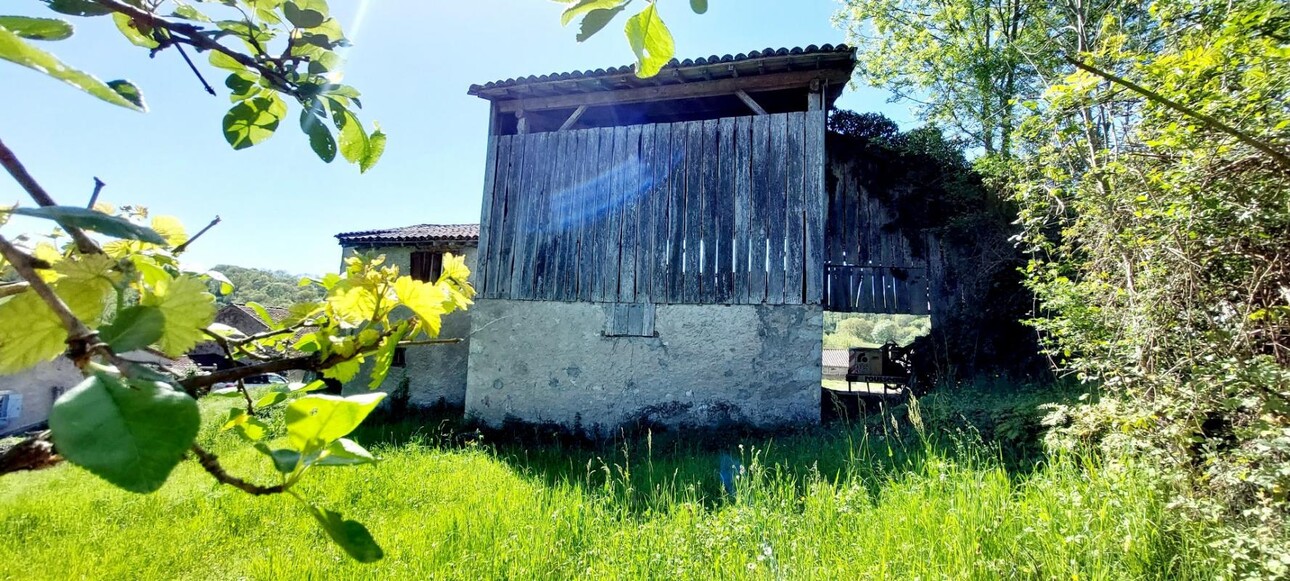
column 94, row 198
column 196, row 37
column 182, row 247
column 8, row 290
column 76, row 330
column 210, row 462
column 1213, row 123
column 15, row 168
column 308, row 363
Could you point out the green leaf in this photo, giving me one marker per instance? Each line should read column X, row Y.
column 305, row 13
column 189, row 13
column 16, row 50
column 129, row 92
column 225, row 285
column 352, row 536
column 271, row 400
column 86, row 219
column 651, row 41
column 188, row 309
column 134, row 328
column 345, row 452
column 78, row 7
column 597, row 20
column 284, row 460
column 253, row 429
column 308, row 387
column 320, row 138
column 315, row 421
column 699, row 6
column 252, row 121
column 37, row 28
column 353, row 140
column 226, row 392
column 345, row 370
column 138, row 34
column 243, row 85
column 375, row 149
column 263, row 314
column 385, row 357
column 222, row 61
column 31, row 333
column 130, row 435
column 588, row 6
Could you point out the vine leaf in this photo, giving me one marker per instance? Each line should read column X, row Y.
column 188, row 309
column 130, row 435
column 135, row 328
column 31, row 333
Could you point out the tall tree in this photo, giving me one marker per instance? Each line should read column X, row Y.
column 963, row 62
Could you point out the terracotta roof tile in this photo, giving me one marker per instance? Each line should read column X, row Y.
column 809, row 51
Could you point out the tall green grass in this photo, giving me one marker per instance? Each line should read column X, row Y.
column 842, row 503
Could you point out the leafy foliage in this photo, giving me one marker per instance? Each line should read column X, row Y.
column 646, row 32
column 1150, row 166
column 273, row 51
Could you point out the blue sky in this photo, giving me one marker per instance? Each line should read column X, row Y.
column 413, row 61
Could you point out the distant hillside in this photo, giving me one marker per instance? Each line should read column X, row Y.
column 271, row 288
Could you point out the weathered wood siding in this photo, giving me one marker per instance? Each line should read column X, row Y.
column 727, row 211
column 871, row 266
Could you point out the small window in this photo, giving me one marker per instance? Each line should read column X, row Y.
column 629, row 320
column 427, row 266
column 400, row 357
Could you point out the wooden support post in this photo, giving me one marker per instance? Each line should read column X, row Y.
column 577, row 114
column 748, row 100
column 522, row 123
column 815, row 99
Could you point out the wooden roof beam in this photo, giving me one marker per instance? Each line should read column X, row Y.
column 690, row 90
column 750, row 102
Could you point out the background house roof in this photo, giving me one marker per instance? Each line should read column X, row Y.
column 714, row 67
column 412, row 234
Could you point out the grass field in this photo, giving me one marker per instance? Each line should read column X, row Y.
column 843, row 503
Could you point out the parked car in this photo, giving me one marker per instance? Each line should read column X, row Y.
column 252, row 381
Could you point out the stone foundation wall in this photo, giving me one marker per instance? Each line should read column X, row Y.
column 708, row 366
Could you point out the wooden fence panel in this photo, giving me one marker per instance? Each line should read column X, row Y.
column 761, row 161
column 663, row 210
column 677, row 214
column 630, row 193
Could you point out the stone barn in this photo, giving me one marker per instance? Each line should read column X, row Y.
column 652, row 250
column 435, row 375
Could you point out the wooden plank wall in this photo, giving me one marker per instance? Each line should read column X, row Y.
column 724, row 211
column 869, row 266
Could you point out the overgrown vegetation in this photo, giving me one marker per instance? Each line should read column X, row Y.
column 846, row 330
column 1145, row 144
column 859, row 502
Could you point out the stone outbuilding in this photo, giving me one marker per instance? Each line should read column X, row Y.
column 435, row 375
